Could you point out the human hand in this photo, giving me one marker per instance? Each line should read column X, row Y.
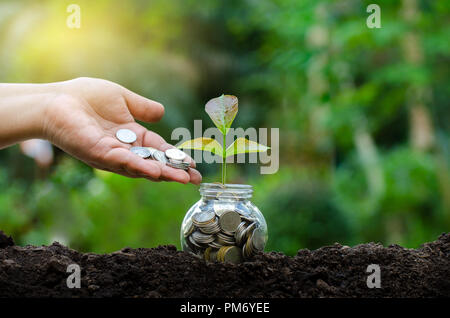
column 83, row 117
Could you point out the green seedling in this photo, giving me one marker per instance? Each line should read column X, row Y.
column 222, row 110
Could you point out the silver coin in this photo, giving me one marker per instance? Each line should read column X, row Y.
column 201, row 238
column 246, row 252
column 141, row 152
column 126, row 136
column 152, row 151
column 211, row 228
column 248, row 231
column 239, row 234
column 225, row 239
column 193, row 242
column 177, row 166
column 229, row 221
column 179, row 163
column 189, row 228
column 175, row 154
column 160, row 156
column 257, row 239
column 203, row 216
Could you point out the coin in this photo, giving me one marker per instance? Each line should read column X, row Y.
column 126, row 136
column 175, row 154
column 239, row 234
column 207, row 253
column 141, row 152
column 193, row 242
column 149, row 152
column 189, row 228
column 160, row 156
column 248, row 231
column 257, row 239
column 210, row 228
column 203, row 217
column 248, row 219
column 213, row 255
column 152, row 151
column 229, row 221
column 221, row 253
column 224, row 239
column 178, row 166
column 215, row 244
column 201, row 238
column 245, row 250
column 231, row 254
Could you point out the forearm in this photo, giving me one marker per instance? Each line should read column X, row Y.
column 23, row 110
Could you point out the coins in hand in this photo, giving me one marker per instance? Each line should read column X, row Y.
column 175, row 154
column 160, row 156
column 172, row 157
column 141, row 152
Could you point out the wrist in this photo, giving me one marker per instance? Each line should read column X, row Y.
column 41, row 127
column 23, row 111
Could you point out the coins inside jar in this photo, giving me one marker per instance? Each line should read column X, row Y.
column 221, row 232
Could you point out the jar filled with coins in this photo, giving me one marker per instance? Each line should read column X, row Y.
column 224, row 225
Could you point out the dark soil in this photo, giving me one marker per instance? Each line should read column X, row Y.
column 331, row 271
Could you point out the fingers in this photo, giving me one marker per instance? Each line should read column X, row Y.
column 132, row 165
column 195, row 176
column 143, row 108
column 121, row 160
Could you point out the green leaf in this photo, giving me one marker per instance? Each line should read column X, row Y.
column 222, row 110
column 243, row 145
column 205, row 144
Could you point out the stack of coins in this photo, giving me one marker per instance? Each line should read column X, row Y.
column 155, row 154
column 176, row 158
column 201, row 238
column 173, row 157
column 254, row 243
column 206, row 222
column 224, row 234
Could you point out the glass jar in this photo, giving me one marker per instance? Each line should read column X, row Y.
column 224, row 225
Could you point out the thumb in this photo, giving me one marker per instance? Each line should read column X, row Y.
column 143, row 108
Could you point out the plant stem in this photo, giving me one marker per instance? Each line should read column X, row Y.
column 224, row 159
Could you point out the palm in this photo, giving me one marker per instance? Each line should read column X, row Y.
column 87, row 125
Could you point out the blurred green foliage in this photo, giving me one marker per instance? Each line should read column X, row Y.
column 363, row 116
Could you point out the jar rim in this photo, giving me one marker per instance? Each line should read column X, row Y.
column 227, row 191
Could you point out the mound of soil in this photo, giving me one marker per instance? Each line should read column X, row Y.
column 331, row 271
